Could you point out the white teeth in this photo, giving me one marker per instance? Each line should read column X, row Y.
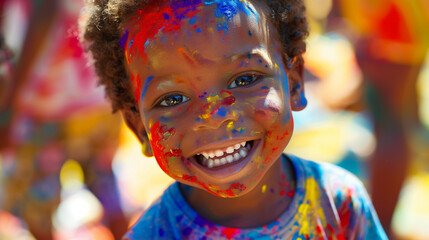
column 219, row 153
column 228, row 155
column 210, row 163
column 230, row 150
column 216, row 162
column 243, row 152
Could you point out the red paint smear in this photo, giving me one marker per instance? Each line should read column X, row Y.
column 319, row 228
column 186, row 56
column 290, row 193
column 228, row 101
column 344, row 211
column 157, row 133
column 174, row 153
column 330, row 228
column 189, row 107
column 230, row 232
column 138, row 88
column 283, row 192
column 340, row 236
column 229, row 192
column 155, row 18
column 283, row 137
column 194, row 179
column 228, row 98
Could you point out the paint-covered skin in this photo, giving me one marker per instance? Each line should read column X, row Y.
column 329, row 203
column 209, row 75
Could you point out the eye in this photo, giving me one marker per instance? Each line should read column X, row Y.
column 173, row 100
column 244, row 80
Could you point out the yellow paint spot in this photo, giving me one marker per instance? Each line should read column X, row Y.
column 213, row 99
column 230, row 126
column 264, row 188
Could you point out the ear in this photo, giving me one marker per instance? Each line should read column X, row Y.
column 296, row 83
column 135, row 124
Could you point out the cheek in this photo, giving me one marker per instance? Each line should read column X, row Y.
column 269, row 106
column 164, row 141
column 272, row 112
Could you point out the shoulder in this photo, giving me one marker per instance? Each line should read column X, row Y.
column 348, row 197
column 331, row 178
column 154, row 221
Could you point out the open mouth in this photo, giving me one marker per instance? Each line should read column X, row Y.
column 218, row 158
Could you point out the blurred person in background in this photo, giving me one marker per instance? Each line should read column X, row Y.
column 391, row 40
column 52, row 112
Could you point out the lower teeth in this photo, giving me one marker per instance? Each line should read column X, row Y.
column 210, row 163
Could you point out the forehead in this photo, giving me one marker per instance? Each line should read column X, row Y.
column 211, row 28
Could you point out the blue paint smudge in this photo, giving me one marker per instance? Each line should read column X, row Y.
column 249, row 56
column 227, row 9
column 124, row 39
column 260, row 61
column 193, row 20
column 202, row 96
column 221, row 112
column 222, row 26
column 250, row 33
column 166, row 16
column 198, row 30
column 189, row 34
column 146, row 44
column 146, row 85
column 130, row 43
column 238, row 131
column 265, row 87
column 164, row 119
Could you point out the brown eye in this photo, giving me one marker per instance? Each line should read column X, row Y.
column 173, row 100
column 244, row 80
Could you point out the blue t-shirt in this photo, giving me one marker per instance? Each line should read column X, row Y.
column 329, row 203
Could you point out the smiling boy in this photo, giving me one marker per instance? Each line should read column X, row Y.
column 208, row 88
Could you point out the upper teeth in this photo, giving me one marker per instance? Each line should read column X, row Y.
column 224, row 156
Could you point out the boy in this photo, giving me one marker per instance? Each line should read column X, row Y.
column 208, row 88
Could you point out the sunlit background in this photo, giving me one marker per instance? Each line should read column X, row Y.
column 64, row 137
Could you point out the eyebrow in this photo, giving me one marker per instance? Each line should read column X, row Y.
column 257, row 52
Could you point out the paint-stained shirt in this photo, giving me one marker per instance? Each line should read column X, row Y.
column 329, row 203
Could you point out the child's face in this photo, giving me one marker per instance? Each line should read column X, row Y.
column 212, row 91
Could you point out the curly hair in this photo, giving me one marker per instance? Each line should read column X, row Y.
column 101, row 34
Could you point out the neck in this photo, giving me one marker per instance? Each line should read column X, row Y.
column 262, row 205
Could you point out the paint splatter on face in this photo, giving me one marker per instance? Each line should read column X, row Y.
column 214, row 123
column 156, row 19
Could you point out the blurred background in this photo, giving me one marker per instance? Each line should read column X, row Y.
column 69, row 169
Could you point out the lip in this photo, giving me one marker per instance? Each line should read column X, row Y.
column 229, row 169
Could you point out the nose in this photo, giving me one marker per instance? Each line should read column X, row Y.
column 215, row 119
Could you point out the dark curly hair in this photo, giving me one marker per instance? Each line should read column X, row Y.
column 101, row 34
